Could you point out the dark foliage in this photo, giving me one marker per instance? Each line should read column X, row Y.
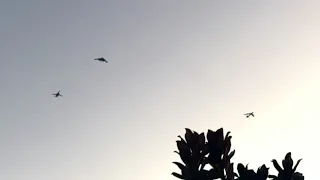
column 197, row 150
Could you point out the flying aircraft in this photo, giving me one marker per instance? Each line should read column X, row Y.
column 249, row 114
column 101, row 59
column 57, row 94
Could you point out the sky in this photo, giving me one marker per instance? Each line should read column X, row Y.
column 172, row 65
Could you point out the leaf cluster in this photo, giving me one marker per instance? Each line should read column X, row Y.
column 214, row 149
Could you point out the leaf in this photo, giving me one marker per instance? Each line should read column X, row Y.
column 262, row 172
column 231, row 154
column 201, row 139
column 276, row 165
column 240, row 169
column 177, row 175
column 182, row 139
column 295, row 167
column 196, row 136
column 189, row 136
column 227, row 145
column 227, row 135
column 297, row 176
column 216, row 143
column 181, row 166
column 184, row 153
column 220, row 137
column 230, row 173
column 182, row 147
column 287, row 163
column 211, row 136
column 195, row 142
column 220, row 131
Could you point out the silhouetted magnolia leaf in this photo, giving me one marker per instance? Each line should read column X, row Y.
column 228, row 139
column 210, row 136
column 262, row 172
column 240, row 169
column 229, row 172
column 276, row 165
column 182, row 147
column 297, row 176
column 287, row 163
column 227, row 135
column 231, row 154
column 196, row 137
column 181, row 139
column 245, row 173
column 227, row 145
column 295, row 167
column 220, row 132
column 215, row 138
column 220, row 137
column 184, row 152
column 177, row 175
column 189, row 136
column 216, row 146
column 202, row 139
column 181, row 166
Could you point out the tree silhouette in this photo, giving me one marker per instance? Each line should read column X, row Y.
column 197, row 150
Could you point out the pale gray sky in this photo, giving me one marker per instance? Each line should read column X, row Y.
column 172, row 64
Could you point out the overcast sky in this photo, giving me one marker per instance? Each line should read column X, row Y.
column 172, row 64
